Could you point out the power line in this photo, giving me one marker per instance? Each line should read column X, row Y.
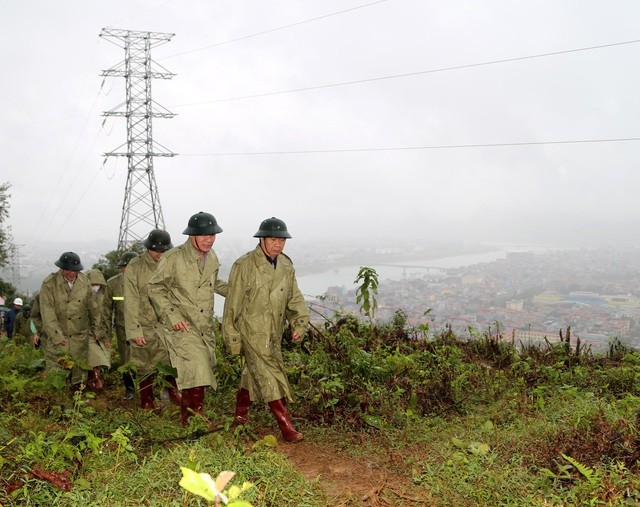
column 409, row 148
column 273, row 29
column 410, row 74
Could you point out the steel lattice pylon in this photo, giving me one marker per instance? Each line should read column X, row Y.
column 141, row 210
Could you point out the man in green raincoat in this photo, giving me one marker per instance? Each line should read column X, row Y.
column 21, row 331
column 143, row 330
column 182, row 293
column 69, row 318
column 113, row 319
column 100, row 349
column 263, row 296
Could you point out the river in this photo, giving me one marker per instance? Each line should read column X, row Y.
column 317, row 283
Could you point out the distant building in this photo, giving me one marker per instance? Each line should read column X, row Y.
column 515, row 304
column 548, row 297
column 531, row 337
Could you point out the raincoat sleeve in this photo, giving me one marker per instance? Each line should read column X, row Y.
column 50, row 324
column 297, row 311
column 221, row 288
column 132, row 326
column 35, row 321
column 160, row 285
column 106, row 317
column 232, row 308
column 94, row 314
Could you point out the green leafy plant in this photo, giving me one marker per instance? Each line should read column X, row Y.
column 367, row 291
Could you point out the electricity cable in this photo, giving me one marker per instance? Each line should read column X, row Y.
column 411, row 74
column 273, row 30
column 61, row 178
column 410, row 148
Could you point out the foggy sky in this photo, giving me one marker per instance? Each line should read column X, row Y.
column 421, row 188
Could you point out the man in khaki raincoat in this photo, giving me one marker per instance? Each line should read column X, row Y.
column 142, row 328
column 113, row 319
column 21, row 332
column 100, row 349
column 182, row 293
column 263, row 295
column 69, row 319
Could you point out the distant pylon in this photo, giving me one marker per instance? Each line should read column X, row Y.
column 141, row 210
column 14, row 254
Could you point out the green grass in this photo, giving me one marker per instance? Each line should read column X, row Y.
column 442, row 423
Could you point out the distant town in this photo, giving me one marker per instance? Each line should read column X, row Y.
column 527, row 297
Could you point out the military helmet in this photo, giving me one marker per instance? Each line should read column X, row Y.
column 158, row 241
column 69, row 261
column 272, row 228
column 96, row 277
column 202, row 224
column 126, row 258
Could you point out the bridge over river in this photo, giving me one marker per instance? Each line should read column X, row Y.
column 430, row 269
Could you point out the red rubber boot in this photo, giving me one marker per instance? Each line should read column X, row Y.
column 279, row 410
column 146, row 393
column 243, row 402
column 184, row 407
column 174, row 392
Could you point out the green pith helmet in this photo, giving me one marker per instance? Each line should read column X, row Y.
column 69, row 261
column 202, row 224
column 272, row 228
column 158, row 241
column 96, row 277
column 126, row 258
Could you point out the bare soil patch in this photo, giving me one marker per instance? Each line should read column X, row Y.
column 353, row 481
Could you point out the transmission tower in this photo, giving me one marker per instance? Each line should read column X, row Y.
column 14, row 267
column 141, row 210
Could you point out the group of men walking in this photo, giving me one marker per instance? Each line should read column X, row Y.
column 161, row 308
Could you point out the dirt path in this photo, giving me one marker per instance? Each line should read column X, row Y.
column 352, row 481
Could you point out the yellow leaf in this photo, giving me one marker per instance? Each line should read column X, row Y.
column 223, row 478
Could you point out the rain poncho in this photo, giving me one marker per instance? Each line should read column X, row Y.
column 183, row 290
column 139, row 317
column 260, row 301
column 99, row 351
column 113, row 315
column 68, row 314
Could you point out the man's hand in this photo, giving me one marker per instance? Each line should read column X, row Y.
column 296, row 336
column 183, row 325
column 140, row 341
